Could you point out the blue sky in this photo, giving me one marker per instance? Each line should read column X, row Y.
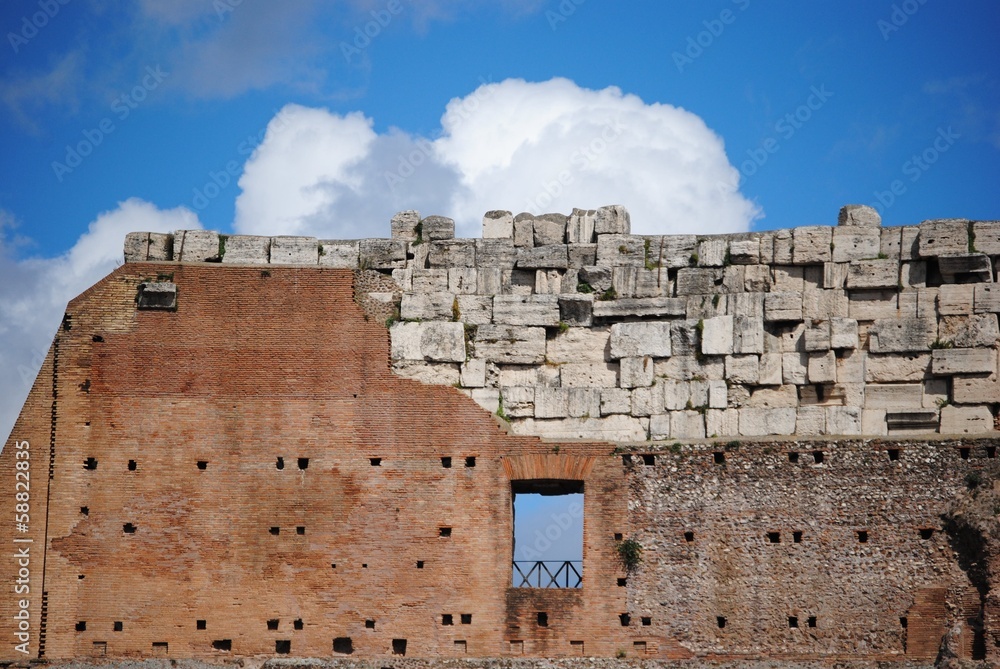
column 287, row 118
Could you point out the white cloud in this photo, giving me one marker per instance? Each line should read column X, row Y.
column 515, row 145
column 34, row 292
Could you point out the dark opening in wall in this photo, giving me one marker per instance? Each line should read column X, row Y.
column 118, row 626
column 131, row 465
column 399, row 646
column 689, row 536
column 862, row 536
column 275, row 531
column 625, row 619
column 774, row 537
column 991, row 452
column 272, row 624
column 444, row 531
column 223, row 645
column 543, row 619
column 303, row 463
column 811, row 621
column 893, row 454
column 646, row 621
column 280, row 464
column 282, row 646
column 364, row 565
column 90, row 463
column 333, row 565
column 627, row 460
column 649, row 460
column 466, row 618
column 818, row 457
column 200, row 624
column 420, row 564
column 343, row 645
column 926, row 533
column 80, row 576
column 97, row 339
column 300, row 530
column 719, row 457
column 793, row 456
column 470, row 461
column 793, row 622
column 461, row 647
column 297, row 624
column 447, row 619
column 797, row 536
column 369, row 624
column 203, row 465
column 85, row 510
column 375, row 462
column 720, row 621
column 619, row 536
column 128, row 528
column 540, row 507
column 446, row 462
column 622, row 582
column 81, row 626
column 903, row 622
column 964, row 452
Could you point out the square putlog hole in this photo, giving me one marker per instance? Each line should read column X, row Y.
column 343, row 645
column 399, row 646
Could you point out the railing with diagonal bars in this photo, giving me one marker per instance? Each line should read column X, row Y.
column 548, row 574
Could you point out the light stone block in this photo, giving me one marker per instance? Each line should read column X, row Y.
column 436, row 228
column 495, row 253
column 810, row 421
column 987, row 298
column 812, row 245
column 551, row 402
column 376, row 253
column 749, row 305
column 748, row 334
column 449, row 253
column 659, row 427
column 607, row 428
column 946, row 362
column 338, row 253
column 635, row 372
column 435, row 342
column 673, row 251
column 851, row 367
column 536, row 310
column 868, row 274
column 835, row 275
column 943, row 236
column 613, row 219
column 745, row 251
column 743, row 369
column 955, row 299
column 551, row 256
column 976, row 389
column 965, row 267
column 430, row 373
column 774, row 398
column 822, row 367
column 253, row 250
column 689, row 367
column 427, row 306
column 589, row 375
column 873, row 422
column 473, row 374
column 403, row 225
column 722, row 423
column 295, row 251
column 511, row 345
column 935, row 393
column 621, row 251
column 429, row 281
column 781, row 247
column 580, row 227
column 524, row 230
column 783, row 307
column 787, row 279
column 526, row 375
column 770, row 373
column 647, row 401
column 755, row 422
column 498, row 225
column 648, row 306
column 581, row 255
column 462, row 280
column 894, row 396
column 900, row 367
column 196, row 246
column 817, row 337
column 851, row 243
column 869, row 305
column 968, row 331
column 843, row 333
column 718, row 394
column 858, row 216
column 474, row 309
column 487, row 398
column 615, row 400
column 676, row 394
column 518, row 402
column 794, row 367
column 584, row 402
column 987, row 237
column 576, row 309
column 687, row 425
column 898, row 335
column 717, row 335
column 843, row 420
column 579, row 345
column 712, row 251
column 757, row 279
column 640, row 339
column 700, row 307
column 966, row 420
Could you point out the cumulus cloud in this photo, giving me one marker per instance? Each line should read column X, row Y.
column 536, row 147
column 34, row 291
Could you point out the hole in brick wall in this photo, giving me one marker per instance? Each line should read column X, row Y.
column 903, row 622
column 97, row 339
column 964, row 452
column 622, row 582
column 131, row 465
column 618, row 536
column 793, row 622
column 300, row 530
column 275, row 531
column 625, row 619
column 649, row 460
column 719, row 457
column 893, row 454
column 333, row 565
column 460, row 646
column 280, row 464
column 303, row 463
column 470, row 461
column 542, row 619
column 811, row 621
column 466, row 618
column 128, row 528
column 200, row 624
column 282, row 646
column 689, row 536
column 202, row 465
column 774, row 537
column 369, row 624
column 375, row 462
column 420, row 564
column 818, row 457
column 223, row 644
column 627, row 460
column 797, row 536
column 444, row 531
column 926, row 533
column 85, row 510
column 991, row 452
column 446, row 462
column 399, row 646
column 793, row 456
column 862, row 536
column 720, row 621
column 81, row 577
column 90, row 463
column 81, row 626
column 646, row 621
column 272, row 624
column 364, row 565
column 160, row 648
column 297, row 624
column 447, row 619
column 118, row 626
column 576, row 647
column 343, row 645
column 85, row 386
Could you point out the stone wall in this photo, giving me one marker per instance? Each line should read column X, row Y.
column 571, row 327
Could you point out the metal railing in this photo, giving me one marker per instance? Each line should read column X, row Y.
column 548, row 574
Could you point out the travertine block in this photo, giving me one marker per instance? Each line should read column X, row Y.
column 580, row 227
column 676, row 394
column 196, row 246
column 817, row 337
column 759, row 422
column 687, row 425
column 792, row 337
column 965, row 267
column 890, row 240
column 553, row 256
column 698, row 280
column 812, row 245
column 581, row 255
column 854, row 244
column 608, row 428
column 943, row 236
column 647, row 401
column 864, row 274
column 474, row 309
column 717, row 335
column 612, row 219
column 298, row 251
column 936, row 393
column 794, row 367
column 897, row 335
column 518, row 402
column 788, row 279
column 750, row 305
column 550, row 229
column 748, row 334
column 955, row 300
column 986, row 235
column 462, row 280
column 598, row 278
column 650, row 283
column 254, row 250
column 722, row 423
column 843, row 420
column 858, row 216
column 987, row 298
column 615, row 400
column 524, row 230
column 892, row 368
column 712, row 251
column 579, row 345
column 584, row 402
column 548, row 281
column 403, row 225
column 498, row 225
column 512, row 345
column 621, row 250
column 822, row 367
column 551, row 402
column 645, row 306
column 688, row 367
column 576, row 309
column 743, row 369
column 431, row 373
column 969, row 331
column 589, row 375
column 894, row 396
column 909, row 243
column 436, row 342
column 546, row 376
column 843, row 333
column 435, row 228
column 623, row 281
column 757, row 279
column 966, row 420
column 429, row 280
column 640, row 339
column 770, row 370
column 869, row 305
column 498, row 253
column 782, row 248
column 963, row 361
column 913, row 274
column 783, row 307
column 673, row 251
column 873, row 422
column 810, row 421
column 835, row 275
column 539, row 310
column 718, row 394
column 635, row 372
column 427, row 306
column 487, row 398
column 337, row 253
column 706, row 306
column 745, row 251
column 377, row 253
column 851, row 367
column 473, row 373
column 774, row 398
